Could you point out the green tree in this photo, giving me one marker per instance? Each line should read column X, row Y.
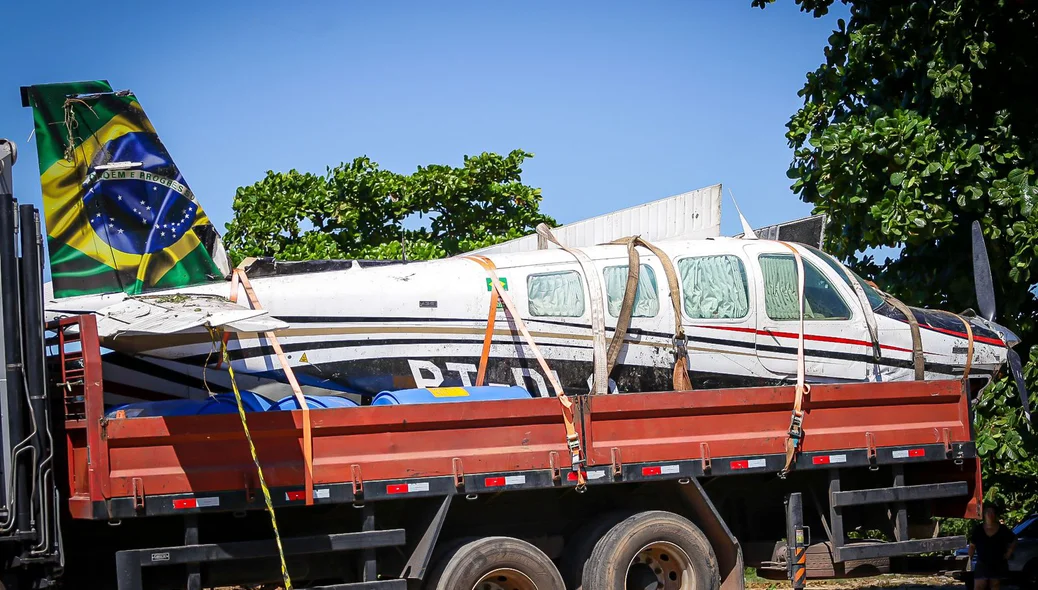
column 920, row 121
column 358, row 210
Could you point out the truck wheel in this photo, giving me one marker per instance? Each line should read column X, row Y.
column 495, row 563
column 582, row 543
column 652, row 550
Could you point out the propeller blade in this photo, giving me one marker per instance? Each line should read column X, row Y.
column 1018, row 374
column 982, row 275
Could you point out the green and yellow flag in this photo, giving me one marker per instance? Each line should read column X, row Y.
column 119, row 215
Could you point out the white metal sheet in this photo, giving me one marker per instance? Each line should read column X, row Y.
column 176, row 313
column 694, row 215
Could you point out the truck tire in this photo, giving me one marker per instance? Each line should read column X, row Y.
column 582, row 543
column 649, row 550
column 495, row 563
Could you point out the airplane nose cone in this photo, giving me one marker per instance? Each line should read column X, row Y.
column 1005, row 333
column 1010, row 338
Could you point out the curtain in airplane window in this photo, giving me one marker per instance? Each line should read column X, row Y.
column 714, row 287
column 821, row 301
column 556, row 294
column 646, row 298
column 780, row 287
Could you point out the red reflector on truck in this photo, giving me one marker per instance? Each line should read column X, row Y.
column 905, row 454
column 187, row 503
column 651, row 471
column 749, row 464
column 407, row 488
column 295, row 496
column 509, row 480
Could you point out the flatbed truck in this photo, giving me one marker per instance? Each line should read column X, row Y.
column 683, row 489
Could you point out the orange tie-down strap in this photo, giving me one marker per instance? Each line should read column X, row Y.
column 572, row 439
column 239, row 276
column 795, row 436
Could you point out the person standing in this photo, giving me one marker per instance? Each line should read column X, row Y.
column 993, row 543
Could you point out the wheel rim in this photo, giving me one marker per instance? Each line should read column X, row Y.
column 505, row 579
column 667, row 562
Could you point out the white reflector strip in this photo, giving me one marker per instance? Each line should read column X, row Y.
column 670, row 469
column 909, row 453
column 596, row 474
column 322, row 493
column 514, row 480
column 407, row 488
column 207, row 502
column 750, row 464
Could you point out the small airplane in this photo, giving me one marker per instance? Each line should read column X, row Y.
column 129, row 242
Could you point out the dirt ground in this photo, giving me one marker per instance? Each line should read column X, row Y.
column 882, row 582
column 892, row 582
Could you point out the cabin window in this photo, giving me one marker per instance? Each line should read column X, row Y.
column 821, row 300
column 556, row 294
column 646, row 297
column 714, row 287
column 875, row 299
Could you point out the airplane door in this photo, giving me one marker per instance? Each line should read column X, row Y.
column 651, row 329
column 836, row 340
column 720, row 318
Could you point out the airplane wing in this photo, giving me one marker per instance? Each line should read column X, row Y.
column 170, row 314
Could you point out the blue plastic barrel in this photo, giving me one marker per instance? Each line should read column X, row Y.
column 250, row 401
column 173, row 407
column 221, row 403
column 224, row 403
column 437, row 395
column 315, row 402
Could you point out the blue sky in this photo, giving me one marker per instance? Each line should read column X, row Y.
column 622, row 103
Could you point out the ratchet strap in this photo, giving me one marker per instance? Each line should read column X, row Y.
column 681, row 380
column 600, row 384
column 795, row 436
column 623, row 320
column 239, row 277
column 917, row 340
column 484, row 357
column 969, row 344
column 572, row 439
column 866, row 308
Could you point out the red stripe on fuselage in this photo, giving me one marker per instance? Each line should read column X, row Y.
column 812, row 337
column 963, row 335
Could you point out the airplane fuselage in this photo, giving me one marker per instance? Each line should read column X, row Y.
column 361, row 330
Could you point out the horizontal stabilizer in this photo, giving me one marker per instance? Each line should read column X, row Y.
column 171, row 314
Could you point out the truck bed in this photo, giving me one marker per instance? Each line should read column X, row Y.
column 126, row 468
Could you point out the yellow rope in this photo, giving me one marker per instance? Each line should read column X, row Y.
column 255, row 459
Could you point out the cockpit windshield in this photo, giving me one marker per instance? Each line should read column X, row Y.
column 875, row 298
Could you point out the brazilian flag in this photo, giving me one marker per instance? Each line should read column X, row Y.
column 119, row 215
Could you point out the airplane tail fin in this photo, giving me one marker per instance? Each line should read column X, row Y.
column 119, row 215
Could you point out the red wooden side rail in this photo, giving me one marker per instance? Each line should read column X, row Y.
column 79, row 384
column 144, row 457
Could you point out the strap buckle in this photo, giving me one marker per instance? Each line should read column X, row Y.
column 796, row 426
column 576, row 460
column 573, row 443
column 681, row 345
